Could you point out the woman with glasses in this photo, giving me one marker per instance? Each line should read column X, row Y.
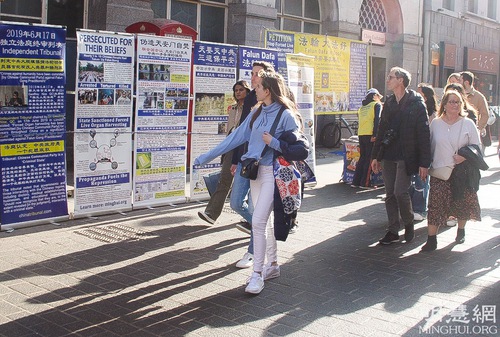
column 457, row 194
column 272, row 94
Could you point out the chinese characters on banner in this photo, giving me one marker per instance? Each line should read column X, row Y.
column 103, row 122
column 32, row 109
column 249, row 55
column 340, row 68
column 163, row 77
column 214, row 77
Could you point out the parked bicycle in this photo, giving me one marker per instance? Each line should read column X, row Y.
column 331, row 133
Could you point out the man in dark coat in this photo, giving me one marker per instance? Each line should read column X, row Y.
column 402, row 148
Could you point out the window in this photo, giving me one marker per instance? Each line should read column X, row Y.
column 372, row 16
column 298, row 16
column 207, row 17
column 21, row 10
column 212, row 24
column 66, row 13
column 449, row 4
column 492, row 9
column 472, row 6
column 58, row 12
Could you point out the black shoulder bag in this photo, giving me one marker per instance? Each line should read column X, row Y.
column 250, row 166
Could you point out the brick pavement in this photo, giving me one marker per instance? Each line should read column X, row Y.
column 163, row 272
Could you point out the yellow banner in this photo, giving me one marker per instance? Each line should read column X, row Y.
column 340, row 68
column 24, row 149
column 36, row 65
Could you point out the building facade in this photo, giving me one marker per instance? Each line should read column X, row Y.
column 430, row 38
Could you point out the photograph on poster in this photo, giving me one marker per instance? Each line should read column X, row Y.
column 92, row 72
column 222, row 128
column 183, row 92
column 123, row 97
column 13, row 97
column 143, row 160
column 154, row 72
column 150, row 99
column 323, row 101
column 87, row 96
column 307, row 88
column 209, row 104
column 106, row 96
column 171, row 92
column 181, row 104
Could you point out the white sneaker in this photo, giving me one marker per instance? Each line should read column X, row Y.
column 255, row 284
column 418, row 217
column 452, row 222
column 246, row 261
column 271, row 271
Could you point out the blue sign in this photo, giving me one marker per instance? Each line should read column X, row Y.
column 32, row 108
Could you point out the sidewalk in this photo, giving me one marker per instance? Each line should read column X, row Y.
column 164, row 272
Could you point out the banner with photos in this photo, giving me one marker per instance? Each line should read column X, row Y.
column 214, row 68
column 103, row 122
column 161, row 119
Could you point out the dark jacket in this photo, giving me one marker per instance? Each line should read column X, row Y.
column 413, row 135
column 250, row 101
column 294, row 147
column 466, row 174
column 474, row 155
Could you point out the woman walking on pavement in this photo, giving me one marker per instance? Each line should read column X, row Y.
column 272, row 92
column 450, row 131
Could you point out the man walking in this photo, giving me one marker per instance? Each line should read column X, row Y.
column 402, row 148
column 478, row 101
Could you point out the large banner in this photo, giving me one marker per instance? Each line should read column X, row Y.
column 161, row 119
column 214, row 77
column 33, row 123
column 103, row 122
column 300, row 80
column 340, row 67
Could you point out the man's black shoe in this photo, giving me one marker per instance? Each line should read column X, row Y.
column 409, row 233
column 389, row 238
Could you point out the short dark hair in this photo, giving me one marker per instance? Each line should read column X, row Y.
column 266, row 65
column 467, row 76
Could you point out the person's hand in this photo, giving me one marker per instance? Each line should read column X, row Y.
column 373, row 139
column 376, row 167
column 233, row 169
column 458, row 159
column 267, row 138
column 423, row 172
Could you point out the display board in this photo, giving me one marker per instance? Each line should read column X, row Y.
column 161, row 119
column 103, row 122
column 33, row 124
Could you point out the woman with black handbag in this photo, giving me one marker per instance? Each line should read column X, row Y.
column 277, row 112
column 450, row 131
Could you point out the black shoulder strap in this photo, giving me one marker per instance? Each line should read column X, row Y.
column 273, row 128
